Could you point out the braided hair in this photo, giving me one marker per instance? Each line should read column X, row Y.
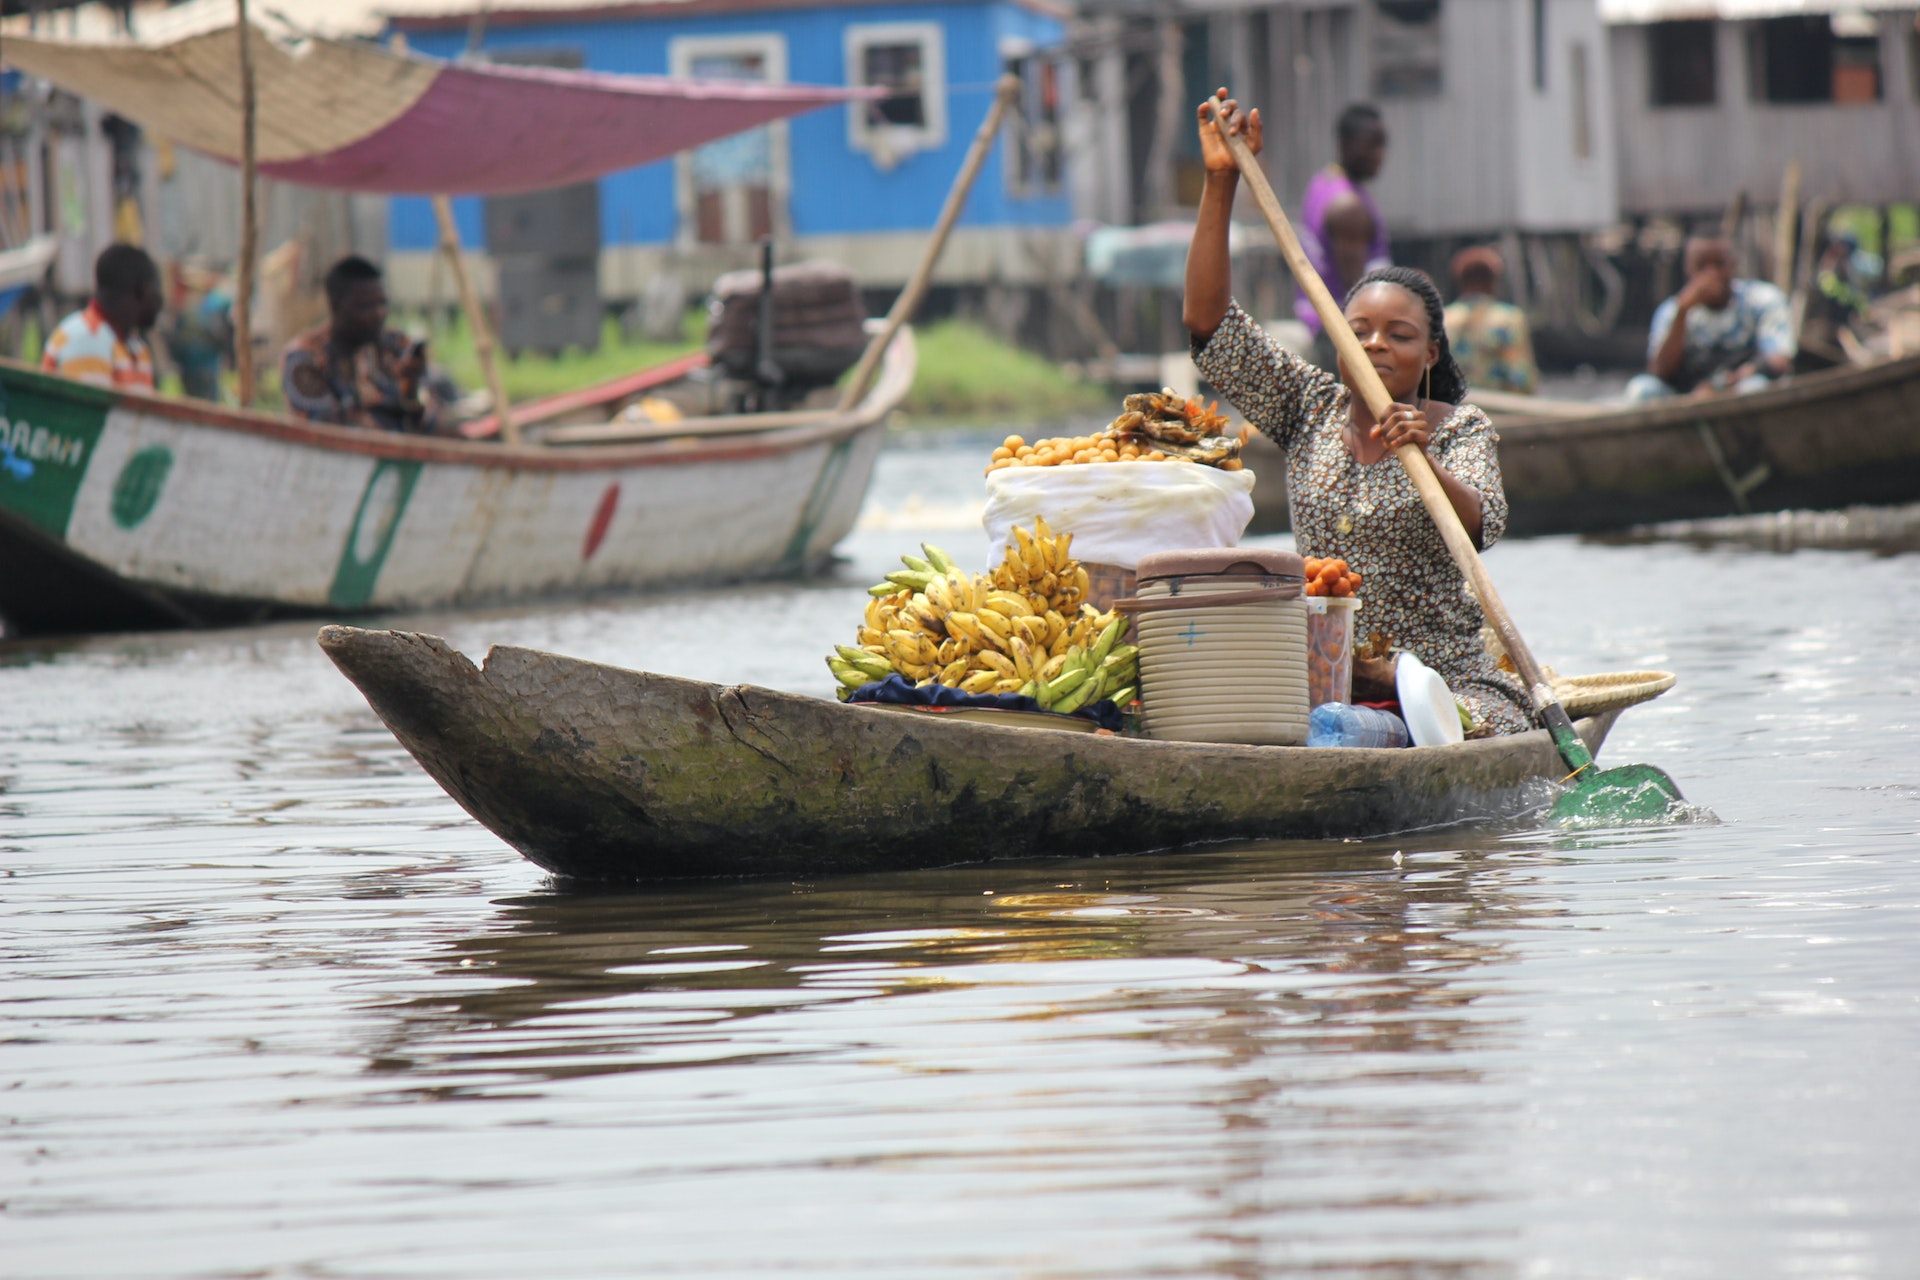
column 1446, row 382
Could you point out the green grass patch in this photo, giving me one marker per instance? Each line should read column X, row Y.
column 966, row 372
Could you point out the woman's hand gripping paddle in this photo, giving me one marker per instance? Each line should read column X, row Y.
column 1631, row 793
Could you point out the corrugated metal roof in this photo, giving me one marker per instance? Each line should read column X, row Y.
column 1626, row 12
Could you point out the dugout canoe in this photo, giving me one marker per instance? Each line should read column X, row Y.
column 600, row 773
column 129, row 512
column 1820, row 441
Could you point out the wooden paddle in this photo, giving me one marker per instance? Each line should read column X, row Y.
column 1630, row 793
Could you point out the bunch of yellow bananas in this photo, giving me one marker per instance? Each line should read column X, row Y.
column 1017, row 630
column 1039, row 567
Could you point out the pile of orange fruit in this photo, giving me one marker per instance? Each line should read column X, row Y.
column 1061, row 451
column 1330, row 578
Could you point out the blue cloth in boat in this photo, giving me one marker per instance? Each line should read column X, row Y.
column 895, row 689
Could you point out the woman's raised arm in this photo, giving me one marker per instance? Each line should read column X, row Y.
column 1209, row 266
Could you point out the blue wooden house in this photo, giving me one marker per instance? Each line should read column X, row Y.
column 860, row 183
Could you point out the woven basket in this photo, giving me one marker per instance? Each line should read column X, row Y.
column 1613, row 691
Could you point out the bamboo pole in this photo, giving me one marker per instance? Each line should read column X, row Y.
column 249, row 220
column 1735, row 215
column 1786, row 235
column 916, row 288
column 476, row 319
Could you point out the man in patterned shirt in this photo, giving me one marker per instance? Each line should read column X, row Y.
column 1718, row 333
column 353, row 371
column 1490, row 338
column 105, row 342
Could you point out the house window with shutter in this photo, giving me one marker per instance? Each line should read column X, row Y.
column 1407, row 53
column 1817, row 58
column 908, row 60
column 1035, row 164
column 1681, row 67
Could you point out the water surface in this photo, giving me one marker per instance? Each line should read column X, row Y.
column 272, row 1006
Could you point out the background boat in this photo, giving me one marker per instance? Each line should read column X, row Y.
column 123, row 511
column 1821, row 440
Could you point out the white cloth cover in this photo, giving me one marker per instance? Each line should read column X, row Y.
column 1119, row 512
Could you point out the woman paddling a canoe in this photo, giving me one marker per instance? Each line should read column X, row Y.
column 1349, row 496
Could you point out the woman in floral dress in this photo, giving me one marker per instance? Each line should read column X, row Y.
column 1349, row 496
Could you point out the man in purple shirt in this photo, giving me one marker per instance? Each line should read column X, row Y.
column 1340, row 226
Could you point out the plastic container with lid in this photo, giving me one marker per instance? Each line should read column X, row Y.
column 1223, row 645
column 1330, row 628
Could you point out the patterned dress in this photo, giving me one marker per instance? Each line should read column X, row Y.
column 1371, row 516
column 1493, row 344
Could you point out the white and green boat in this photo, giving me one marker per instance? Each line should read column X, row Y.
column 124, row 512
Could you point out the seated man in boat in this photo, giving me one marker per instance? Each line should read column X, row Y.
column 1718, row 333
column 1490, row 338
column 105, row 342
column 353, row 370
column 1349, row 496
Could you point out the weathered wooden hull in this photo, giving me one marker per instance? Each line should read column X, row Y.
column 128, row 511
column 601, row 773
column 1821, row 441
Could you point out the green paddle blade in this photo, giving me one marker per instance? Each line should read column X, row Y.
column 1631, row 794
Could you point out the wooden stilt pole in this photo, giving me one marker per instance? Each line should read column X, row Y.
column 1786, row 230
column 249, row 220
column 476, row 319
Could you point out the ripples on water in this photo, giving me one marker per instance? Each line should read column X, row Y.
column 272, row 1006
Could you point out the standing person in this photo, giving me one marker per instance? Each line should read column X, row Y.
column 353, row 370
column 1341, row 227
column 105, row 342
column 1490, row 338
column 1718, row 333
column 1350, row 497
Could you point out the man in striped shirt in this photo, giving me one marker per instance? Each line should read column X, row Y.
column 105, row 343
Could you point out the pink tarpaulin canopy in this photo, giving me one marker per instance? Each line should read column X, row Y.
column 356, row 117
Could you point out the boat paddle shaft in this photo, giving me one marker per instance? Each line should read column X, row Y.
column 1419, row 469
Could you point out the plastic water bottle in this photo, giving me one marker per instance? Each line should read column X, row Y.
column 1335, row 724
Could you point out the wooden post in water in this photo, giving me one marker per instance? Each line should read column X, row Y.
column 249, row 220
column 476, row 319
column 1785, row 229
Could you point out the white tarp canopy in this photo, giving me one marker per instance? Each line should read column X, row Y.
column 352, row 116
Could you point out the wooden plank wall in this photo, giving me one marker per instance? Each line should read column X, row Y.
column 1489, row 152
column 1697, row 159
column 1556, row 187
column 1451, row 160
